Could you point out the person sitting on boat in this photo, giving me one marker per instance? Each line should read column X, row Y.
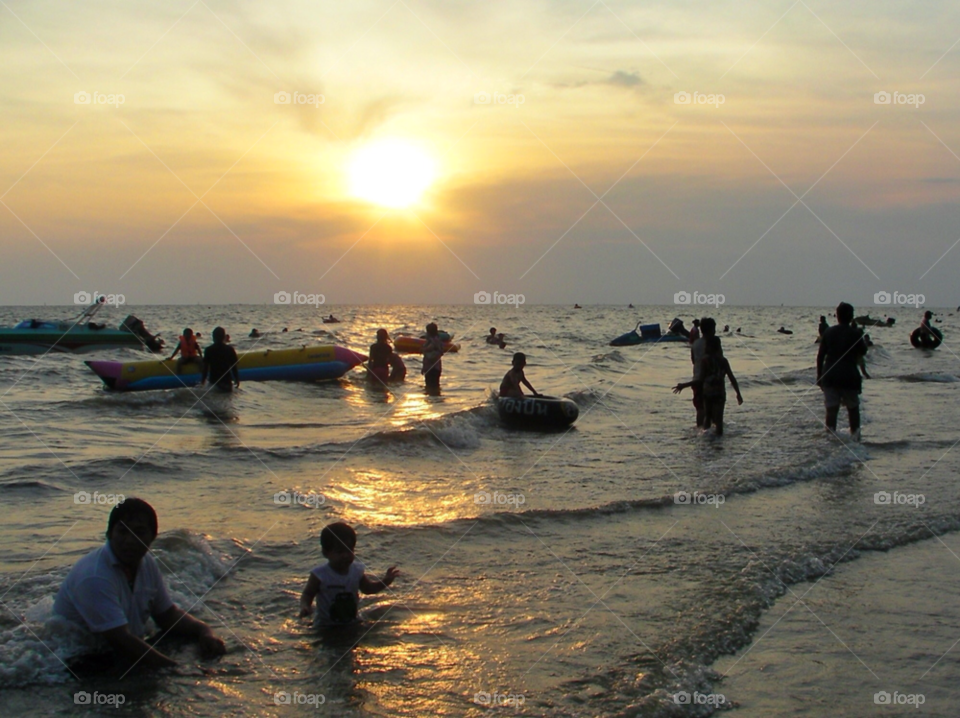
column 331, row 320
column 113, row 592
column 220, row 362
column 510, row 386
column 926, row 329
column 189, row 350
column 385, row 364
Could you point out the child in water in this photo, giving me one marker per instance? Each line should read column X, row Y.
column 337, row 584
column 714, row 370
column 189, row 349
column 510, row 386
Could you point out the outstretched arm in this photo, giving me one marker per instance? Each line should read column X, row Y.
column 310, row 592
column 530, row 386
column 178, row 622
column 376, row 585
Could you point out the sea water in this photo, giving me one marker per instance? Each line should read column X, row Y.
column 619, row 568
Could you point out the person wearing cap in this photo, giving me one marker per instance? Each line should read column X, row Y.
column 116, row 589
column 220, row 362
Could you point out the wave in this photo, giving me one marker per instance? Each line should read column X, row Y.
column 28, row 485
column 935, row 377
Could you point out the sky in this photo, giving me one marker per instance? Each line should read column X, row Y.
column 599, row 152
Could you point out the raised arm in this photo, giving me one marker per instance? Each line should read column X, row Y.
column 376, row 585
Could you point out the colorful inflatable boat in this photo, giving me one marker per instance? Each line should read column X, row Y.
column 301, row 364
column 537, row 413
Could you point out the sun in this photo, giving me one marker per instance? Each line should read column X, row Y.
column 391, row 173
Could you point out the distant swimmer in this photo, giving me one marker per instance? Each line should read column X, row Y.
column 838, row 370
column 726, row 328
column 220, row 362
column 781, row 330
column 510, row 386
column 494, row 338
column 284, row 330
column 189, row 349
column 630, row 306
column 738, row 330
column 385, row 365
column 331, row 320
column 714, row 370
column 255, row 333
column 337, row 584
column 577, row 306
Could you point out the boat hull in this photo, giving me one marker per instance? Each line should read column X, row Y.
column 300, row 364
column 537, row 413
column 632, row 338
column 41, row 340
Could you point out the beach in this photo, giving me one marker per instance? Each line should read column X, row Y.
column 628, row 567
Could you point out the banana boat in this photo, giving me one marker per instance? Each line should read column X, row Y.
column 300, row 364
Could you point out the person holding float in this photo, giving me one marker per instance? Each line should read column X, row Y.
column 510, row 386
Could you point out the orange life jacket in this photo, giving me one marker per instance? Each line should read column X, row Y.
column 189, row 349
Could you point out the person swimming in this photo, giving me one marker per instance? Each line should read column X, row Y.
column 510, row 386
column 255, row 333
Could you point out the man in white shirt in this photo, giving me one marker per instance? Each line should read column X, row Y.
column 114, row 590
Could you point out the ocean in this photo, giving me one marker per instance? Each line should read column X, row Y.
column 630, row 566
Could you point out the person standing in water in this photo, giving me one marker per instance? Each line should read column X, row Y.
column 220, row 362
column 842, row 349
column 432, row 354
column 822, row 328
column 385, row 365
column 714, row 371
column 510, row 386
column 695, row 331
column 708, row 328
